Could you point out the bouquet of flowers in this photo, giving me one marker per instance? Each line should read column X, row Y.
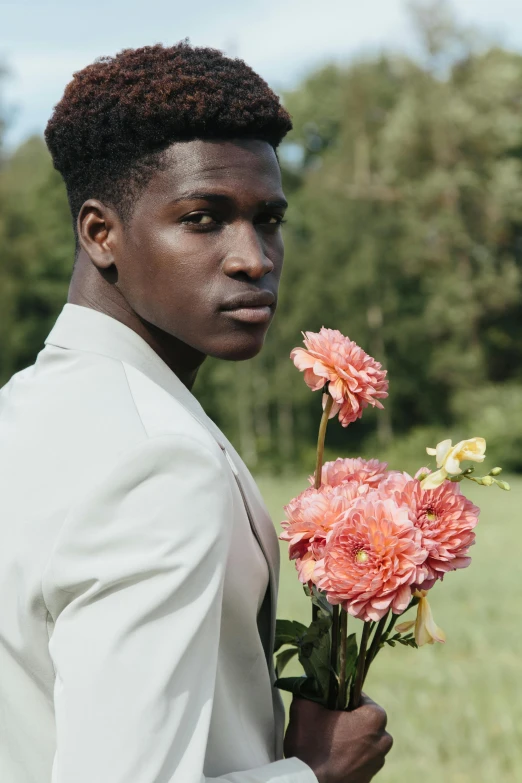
column 368, row 542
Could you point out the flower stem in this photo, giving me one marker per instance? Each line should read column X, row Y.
column 320, row 441
column 332, row 685
column 317, row 483
column 341, row 698
column 394, row 618
column 387, row 632
column 355, row 698
column 375, row 645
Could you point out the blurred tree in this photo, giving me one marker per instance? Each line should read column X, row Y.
column 36, row 253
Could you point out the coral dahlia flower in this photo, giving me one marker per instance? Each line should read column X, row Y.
column 362, row 471
column 355, row 379
column 393, row 482
column 446, row 520
column 310, row 517
column 371, row 559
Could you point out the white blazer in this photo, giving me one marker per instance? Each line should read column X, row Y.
column 138, row 577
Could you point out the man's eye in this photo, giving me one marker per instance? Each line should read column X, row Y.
column 272, row 220
column 199, row 220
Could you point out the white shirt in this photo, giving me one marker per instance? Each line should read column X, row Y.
column 138, row 577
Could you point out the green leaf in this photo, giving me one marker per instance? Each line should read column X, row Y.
column 313, row 647
column 352, row 652
column 319, row 600
column 317, row 628
column 304, row 687
column 314, row 653
column 288, row 632
column 283, row 659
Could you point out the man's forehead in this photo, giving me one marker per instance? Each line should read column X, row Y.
column 214, row 159
column 219, row 166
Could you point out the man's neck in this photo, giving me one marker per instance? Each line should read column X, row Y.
column 88, row 288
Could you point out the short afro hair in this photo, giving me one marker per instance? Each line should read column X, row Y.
column 117, row 116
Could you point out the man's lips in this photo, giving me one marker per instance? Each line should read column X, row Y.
column 249, row 299
column 255, row 307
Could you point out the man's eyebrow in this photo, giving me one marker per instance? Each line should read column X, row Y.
column 221, row 198
column 281, row 203
column 199, row 196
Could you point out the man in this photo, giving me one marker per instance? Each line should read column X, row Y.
column 138, row 565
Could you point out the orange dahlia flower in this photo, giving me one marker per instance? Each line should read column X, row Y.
column 355, row 380
column 371, row 558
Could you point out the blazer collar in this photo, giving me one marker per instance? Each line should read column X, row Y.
column 82, row 329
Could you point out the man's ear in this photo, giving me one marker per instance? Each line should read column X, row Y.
column 98, row 232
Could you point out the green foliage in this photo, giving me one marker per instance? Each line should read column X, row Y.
column 312, row 646
column 36, row 254
column 406, row 640
column 283, row 659
column 288, row 632
column 352, row 651
column 304, row 687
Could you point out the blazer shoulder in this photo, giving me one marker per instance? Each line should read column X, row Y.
column 92, row 408
column 162, row 413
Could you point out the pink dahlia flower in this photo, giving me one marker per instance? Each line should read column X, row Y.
column 310, row 517
column 446, row 520
column 371, row 559
column 355, row 379
column 362, row 471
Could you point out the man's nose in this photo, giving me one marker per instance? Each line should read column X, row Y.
column 247, row 255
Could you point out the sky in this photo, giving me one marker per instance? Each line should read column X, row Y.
column 42, row 42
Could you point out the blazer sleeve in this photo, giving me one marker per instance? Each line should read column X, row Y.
column 134, row 589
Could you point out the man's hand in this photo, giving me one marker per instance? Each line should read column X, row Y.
column 340, row 747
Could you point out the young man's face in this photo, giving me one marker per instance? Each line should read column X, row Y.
column 202, row 255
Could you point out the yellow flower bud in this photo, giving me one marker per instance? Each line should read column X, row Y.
column 426, row 629
column 449, row 458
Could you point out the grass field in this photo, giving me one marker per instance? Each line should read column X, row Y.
column 455, row 710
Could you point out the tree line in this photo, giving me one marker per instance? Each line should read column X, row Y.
column 404, row 178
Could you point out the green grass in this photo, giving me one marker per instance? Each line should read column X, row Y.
column 455, row 710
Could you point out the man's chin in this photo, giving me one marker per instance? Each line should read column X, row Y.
column 242, row 345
